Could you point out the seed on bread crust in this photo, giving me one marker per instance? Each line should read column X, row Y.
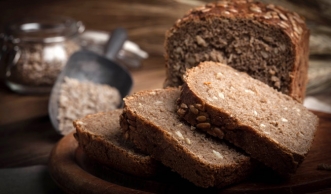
column 203, row 125
column 200, row 107
column 218, row 132
column 255, row 9
column 194, row 110
column 282, row 16
column 181, row 112
column 183, row 105
column 201, row 118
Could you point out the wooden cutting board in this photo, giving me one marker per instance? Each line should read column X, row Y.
column 75, row 173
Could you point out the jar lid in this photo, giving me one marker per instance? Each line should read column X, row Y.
column 46, row 29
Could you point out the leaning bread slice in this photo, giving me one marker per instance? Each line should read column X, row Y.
column 151, row 123
column 101, row 138
column 267, row 124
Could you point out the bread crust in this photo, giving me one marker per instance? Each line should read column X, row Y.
column 290, row 23
column 109, row 153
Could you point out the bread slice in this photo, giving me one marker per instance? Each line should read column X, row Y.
column 101, row 138
column 270, row 126
column 151, row 123
column 264, row 40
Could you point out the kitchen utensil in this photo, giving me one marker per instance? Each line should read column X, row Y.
column 89, row 66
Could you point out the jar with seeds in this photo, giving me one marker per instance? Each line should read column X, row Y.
column 35, row 50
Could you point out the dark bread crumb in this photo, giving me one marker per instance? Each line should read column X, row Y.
column 264, row 40
column 101, row 139
column 150, row 120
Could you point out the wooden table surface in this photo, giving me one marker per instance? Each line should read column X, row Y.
column 26, row 134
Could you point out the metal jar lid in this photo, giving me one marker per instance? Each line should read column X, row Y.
column 49, row 29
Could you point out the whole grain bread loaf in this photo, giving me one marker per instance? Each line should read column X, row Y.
column 267, row 124
column 268, row 42
column 102, row 139
column 150, row 121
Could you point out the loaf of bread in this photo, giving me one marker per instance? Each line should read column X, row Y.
column 150, row 121
column 268, row 42
column 100, row 137
column 267, row 124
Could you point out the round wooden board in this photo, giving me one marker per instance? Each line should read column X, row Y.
column 75, row 173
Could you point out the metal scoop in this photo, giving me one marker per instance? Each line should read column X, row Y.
column 86, row 65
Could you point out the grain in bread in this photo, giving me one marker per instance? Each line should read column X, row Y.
column 151, row 123
column 270, row 126
column 268, row 42
column 102, row 139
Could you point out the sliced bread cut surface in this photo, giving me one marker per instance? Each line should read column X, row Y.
column 268, row 42
column 151, row 123
column 102, row 139
column 269, row 125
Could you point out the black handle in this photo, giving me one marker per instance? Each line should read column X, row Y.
column 115, row 43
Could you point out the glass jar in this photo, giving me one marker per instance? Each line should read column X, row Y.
column 34, row 51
